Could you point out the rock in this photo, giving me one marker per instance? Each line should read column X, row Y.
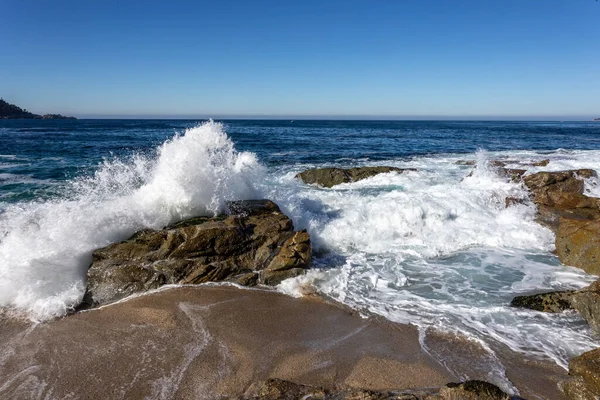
column 586, row 372
column 553, row 302
column 578, row 244
column 473, row 390
column 541, row 163
column 256, row 244
column 575, row 389
column 328, row 177
column 275, row 389
column 543, row 184
column 279, row 389
column 514, row 174
column 587, row 302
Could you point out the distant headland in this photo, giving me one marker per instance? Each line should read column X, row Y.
column 10, row 111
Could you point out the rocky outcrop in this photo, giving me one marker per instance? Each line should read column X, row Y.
column 585, row 370
column 560, row 194
column 553, row 302
column 473, row 390
column 11, row 111
column 587, row 302
column 578, row 244
column 329, row 177
column 278, row 389
column 255, row 244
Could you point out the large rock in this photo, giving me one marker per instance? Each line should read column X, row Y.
column 553, row 302
column 560, row 194
column 255, row 244
column 587, row 302
column 328, row 177
column 585, row 371
column 578, row 244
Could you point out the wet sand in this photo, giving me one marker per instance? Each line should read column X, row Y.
column 212, row 342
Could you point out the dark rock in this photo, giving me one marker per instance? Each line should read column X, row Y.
column 279, row 389
column 587, row 302
column 256, row 244
column 578, row 244
column 586, row 372
column 328, row 177
column 11, row 111
column 475, row 390
column 553, row 302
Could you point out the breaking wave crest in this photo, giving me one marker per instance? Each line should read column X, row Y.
column 45, row 247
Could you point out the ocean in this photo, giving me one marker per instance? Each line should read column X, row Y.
column 436, row 247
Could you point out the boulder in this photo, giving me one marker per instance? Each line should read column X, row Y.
column 255, row 244
column 543, row 184
column 585, row 371
column 329, row 177
column 578, row 243
column 587, row 302
column 473, row 390
column 553, row 302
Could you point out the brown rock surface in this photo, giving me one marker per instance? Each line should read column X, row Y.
column 578, row 244
column 587, row 302
column 328, row 177
column 256, row 244
column 472, row 390
column 586, row 371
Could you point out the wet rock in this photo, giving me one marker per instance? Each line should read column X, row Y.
column 255, row 244
column 473, row 390
column 543, row 185
column 587, row 302
column 514, row 174
column 279, row 389
column 578, row 244
column 553, row 302
column 329, row 177
column 586, row 372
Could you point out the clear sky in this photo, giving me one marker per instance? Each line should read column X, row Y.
column 371, row 58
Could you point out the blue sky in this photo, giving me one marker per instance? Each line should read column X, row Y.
column 394, row 58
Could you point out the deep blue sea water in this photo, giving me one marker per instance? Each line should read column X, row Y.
column 36, row 151
column 436, row 247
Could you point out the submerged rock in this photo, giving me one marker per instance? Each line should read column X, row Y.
column 553, row 302
column 328, row 177
column 256, row 244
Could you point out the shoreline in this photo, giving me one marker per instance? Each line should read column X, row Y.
column 216, row 341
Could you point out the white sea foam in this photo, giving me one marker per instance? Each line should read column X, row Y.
column 438, row 247
column 45, row 247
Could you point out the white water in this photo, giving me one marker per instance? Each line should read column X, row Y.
column 432, row 247
column 439, row 249
column 46, row 247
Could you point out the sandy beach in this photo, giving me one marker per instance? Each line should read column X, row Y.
column 215, row 342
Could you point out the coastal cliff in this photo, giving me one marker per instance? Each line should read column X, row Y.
column 11, row 111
